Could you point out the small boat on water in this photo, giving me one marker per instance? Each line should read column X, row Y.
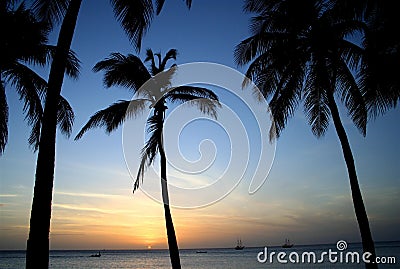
column 287, row 244
column 96, row 255
column 201, row 251
column 239, row 245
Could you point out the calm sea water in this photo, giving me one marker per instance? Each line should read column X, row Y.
column 190, row 259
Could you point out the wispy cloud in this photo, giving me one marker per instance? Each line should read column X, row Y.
column 94, row 195
column 82, row 208
column 8, row 195
column 67, row 234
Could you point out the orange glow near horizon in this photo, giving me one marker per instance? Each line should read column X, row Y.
column 89, row 221
column 118, row 221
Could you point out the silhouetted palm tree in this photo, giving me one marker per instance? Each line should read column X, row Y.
column 130, row 72
column 23, row 43
column 300, row 53
column 135, row 17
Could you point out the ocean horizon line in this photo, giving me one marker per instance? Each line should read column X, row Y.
column 203, row 248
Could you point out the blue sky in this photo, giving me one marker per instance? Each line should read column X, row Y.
column 306, row 196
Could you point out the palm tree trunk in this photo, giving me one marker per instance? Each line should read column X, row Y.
column 172, row 242
column 359, row 208
column 3, row 116
column 37, row 251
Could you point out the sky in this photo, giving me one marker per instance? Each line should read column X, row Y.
column 306, row 196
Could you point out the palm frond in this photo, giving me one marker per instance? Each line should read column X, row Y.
column 50, row 11
column 351, row 54
column 156, row 86
column 351, row 96
column 264, row 72
column 34, row 137
column 159, row 6
column 151, row 148
column 150, row 57
column 379, row 89
column 204, row 99
column 3, row 118
column 120, row 70
column 317, row 112
column 380, row 82
column 171, row 54
column 23, row 77
column 206, row 106
column 65, row 117
column 316, row 99
column 257, row 6
column 158, row 55
column 285, row 99
column 25, row 39
column 40, row 57
column 30, row 87
column 351, row 9
column 113, row 116
column 197, row 92
column 73, row 63
column 260, row 24
column 350, row 28
column 188, row 3
column 135, row 17
column 255, row 45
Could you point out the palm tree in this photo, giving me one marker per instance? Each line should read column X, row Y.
column 135, row 17
column 300, row 53
column 130, row 72
column 24, row 43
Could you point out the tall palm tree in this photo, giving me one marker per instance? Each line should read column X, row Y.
column 135, row 17
column 130, row 72
column 24, row 43
column 300, row 53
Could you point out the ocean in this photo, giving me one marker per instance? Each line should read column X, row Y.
column 220, row 258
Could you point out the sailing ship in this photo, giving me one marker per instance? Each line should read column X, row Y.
column 96, row 255
column 239, row 245
column 287, row 244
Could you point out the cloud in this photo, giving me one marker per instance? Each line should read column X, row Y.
column 8, row 195
column 82, row 208
column 94, row 195
column 67, row 234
